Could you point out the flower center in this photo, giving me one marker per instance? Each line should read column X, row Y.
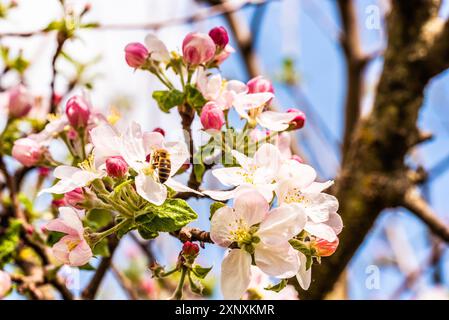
column 295, row 195
column 71, row 244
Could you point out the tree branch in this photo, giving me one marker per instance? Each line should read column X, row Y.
column 374, row 176
column 91, row 290
column 421, row 209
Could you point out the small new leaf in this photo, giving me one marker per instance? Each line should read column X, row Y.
column 168, row 99
column 277, row 287
column 194, row 98
column 214, row 207
column 200, row 271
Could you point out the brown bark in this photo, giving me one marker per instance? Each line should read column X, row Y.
column 374, row 176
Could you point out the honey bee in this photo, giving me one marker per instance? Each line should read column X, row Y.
column 160, row 162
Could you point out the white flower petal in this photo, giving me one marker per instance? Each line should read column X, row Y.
column 275, row 121
column 231, row 176
column 317, row 187
column 319, row 206
column 301, row 174
column 320, row 230
column 268, row 157
column 150, row 190
column 251, row 207
column 235, row 274
column 243, row 160
column 106, row 143
column 282, row 224
column 71, row 219
column 252, row 100
column 278, row 261
column 179, row 155
column 179, row 187
column 132, row 149
column 304, row 276
column 151, row 141
column 223, row 222
column 158, row 50
column 65, row 172
column 220, row 195
column 335, row 222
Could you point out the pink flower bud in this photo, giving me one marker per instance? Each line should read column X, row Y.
column 20, row 101
column 29, row 229
column 220, row 36
column 160, row 130
column 212, row 117
column 75, row 198
column 198, row 48
column 27, row 151
column 56, row 99
column 297, row 158
column 325, row 248
column 5, row 283
column 58, row 203
column 78, row 112
column 116, row 167
column 299, row 121
column 190, row 249
column 223, row 55
column 136, row 54
column 259, row 84
column 43, row 171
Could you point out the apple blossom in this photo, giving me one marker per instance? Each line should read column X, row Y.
column 220, row 36
column 136, row 147
column 28, row 151
column 78, row 112
column 116, row 167
column 5, row 283
column 212, row 116
column 198, row 48
column 136, row 54
column 20, row 101
column 71, row 249
column 257, row 173
column 257, row 231
column 297, row 185
column 230, row 93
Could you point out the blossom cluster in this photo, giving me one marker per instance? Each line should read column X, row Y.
column 274, row 218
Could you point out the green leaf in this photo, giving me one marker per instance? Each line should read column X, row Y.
column 277, row 287
column 214, row 207
column 9, row 242
column 168, row 99
column 53, row 237
column 200, row 271
column 172, row 215
column 300, row 246
column 102, row 248
column 198, row 166
column 146, row 233
column 194, row 98
column 195, row 285
column 99, row 218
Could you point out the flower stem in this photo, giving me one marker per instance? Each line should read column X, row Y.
column 177, row 295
